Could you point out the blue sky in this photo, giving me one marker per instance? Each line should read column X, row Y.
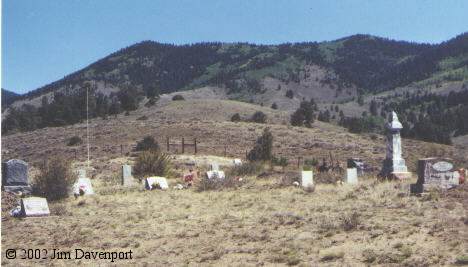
column 44, row 40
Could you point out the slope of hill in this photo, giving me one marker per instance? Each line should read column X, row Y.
column 339, row 72
column 8, row 97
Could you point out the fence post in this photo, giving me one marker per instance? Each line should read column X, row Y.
column 195, row 144
column 121, row 149
column 225, row 148
column 75, row 153
column 167, row 143
column 183, row 146
column 299, row 159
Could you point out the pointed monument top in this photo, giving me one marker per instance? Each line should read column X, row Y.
column 394, row 123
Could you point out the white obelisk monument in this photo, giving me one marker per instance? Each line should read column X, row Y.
column 394, row 165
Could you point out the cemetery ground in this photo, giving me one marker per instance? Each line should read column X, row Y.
column 263, row 221
column 259, row 223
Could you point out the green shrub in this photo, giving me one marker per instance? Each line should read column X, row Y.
column 54, row 180
column 262, row 149
column 148, row 143
column 75, row 140
column 153, row 163
column 259, row 117
column 274, row 106
column 282, row 161
column 462, row 260
column 177, row 98
column 248, row 168
column 236, row 117
column 311, row 162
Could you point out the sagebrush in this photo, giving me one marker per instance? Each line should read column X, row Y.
column 153, row 163
column 55, row 179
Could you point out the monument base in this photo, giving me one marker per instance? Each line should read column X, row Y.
column 400, row 175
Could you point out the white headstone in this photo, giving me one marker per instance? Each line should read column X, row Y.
column 237, row 162
column 83, row 184
column 215, row 174
column 394, row 164
column 214, row 166
column 156, row 180
column 127, row 178
column 307, row 178
column 34, row 206
column 351, row 176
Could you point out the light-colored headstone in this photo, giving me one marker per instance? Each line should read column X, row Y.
column 351, row 176
column 307, row 179
column 83, row 184
column 214, row 166
column 161, row 182
column 127, row 178
column 15, row 176
column 237, row 162
column 215, row 174
column 394, row 165
column 34, row 206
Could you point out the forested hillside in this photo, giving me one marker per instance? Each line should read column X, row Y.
column 367, row 63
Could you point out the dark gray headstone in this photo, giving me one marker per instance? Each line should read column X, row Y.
column 437, row 172
column 15, row 175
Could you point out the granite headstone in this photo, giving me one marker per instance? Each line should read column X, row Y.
column 15, row 176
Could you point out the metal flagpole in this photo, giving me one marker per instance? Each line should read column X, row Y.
column 87, row 123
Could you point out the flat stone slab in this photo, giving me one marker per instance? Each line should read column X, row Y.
column 34, row 206
column 151, row 182
column 237, row 162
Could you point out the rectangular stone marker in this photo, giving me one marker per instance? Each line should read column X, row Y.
column 307, row 178
column 237, row 162
column 437, row 172
column 351, row 176
column 34, row 206
column 156, row 180
column 127, row 178
column 215, row 174
column 83, row 184
column 214, row 166
column 15, row 176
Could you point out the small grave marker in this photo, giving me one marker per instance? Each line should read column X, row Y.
column 127, row 178
column 214, row 166
column 237, row 162
column 34, row 206
column 351, row 176
column 307, row 179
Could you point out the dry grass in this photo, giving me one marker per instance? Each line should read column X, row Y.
column 373, row 223
column 265, row 221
